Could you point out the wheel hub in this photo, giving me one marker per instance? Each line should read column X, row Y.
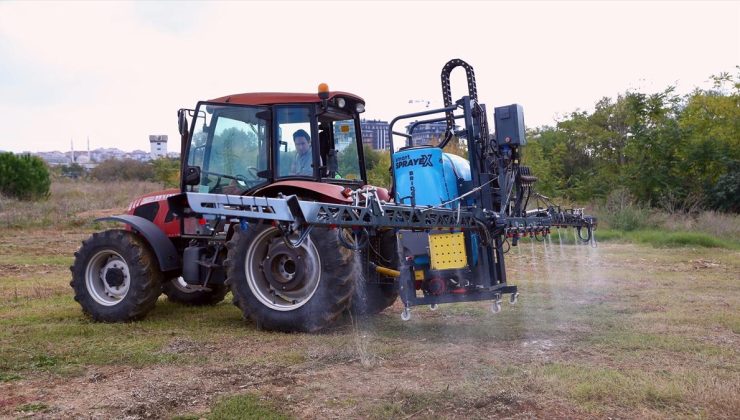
column 285, row 268
column 114, row 276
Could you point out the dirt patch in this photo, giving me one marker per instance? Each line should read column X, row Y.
column 12, row 401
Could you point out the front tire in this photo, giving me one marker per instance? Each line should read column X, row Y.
column 284, row 289
column 115, row 277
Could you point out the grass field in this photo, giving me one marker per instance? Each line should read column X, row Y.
column 647, row 324
column 620, row 330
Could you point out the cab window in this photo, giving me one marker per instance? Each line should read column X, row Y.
column 229, row 144
column 294, row 144
column 345, row 144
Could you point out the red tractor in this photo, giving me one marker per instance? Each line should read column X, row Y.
column 256, row 144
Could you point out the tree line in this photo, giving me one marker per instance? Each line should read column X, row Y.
column 164, row 170
column 680, row 152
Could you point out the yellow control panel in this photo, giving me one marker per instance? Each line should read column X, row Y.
column 447, row 251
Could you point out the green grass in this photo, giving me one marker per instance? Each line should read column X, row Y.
column 61, row 260
column 52, row 335
column 247, row 407
column 653, row 237
column 33, row 408
column 666, row 239
column 620, row 340
column 593, row 387
column 7, row 377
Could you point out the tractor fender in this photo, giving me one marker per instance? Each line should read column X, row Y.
column 162, row 246
column 325, row 192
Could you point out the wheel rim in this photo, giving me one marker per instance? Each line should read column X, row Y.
column 282, row 278
column 108, row 278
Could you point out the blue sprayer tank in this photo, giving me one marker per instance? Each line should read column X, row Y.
column 428, row 175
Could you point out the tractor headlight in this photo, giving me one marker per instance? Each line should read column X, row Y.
column 341, row 102
column 360, row 107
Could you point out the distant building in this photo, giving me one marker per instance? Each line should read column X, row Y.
column 430, row 133
column 375, row 134
column 140, row 155
column 158, row 144
column 54, row 158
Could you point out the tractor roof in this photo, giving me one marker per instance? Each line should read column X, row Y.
column 269, row 98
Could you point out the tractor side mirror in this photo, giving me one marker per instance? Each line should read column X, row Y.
column 192, row 175
column 182, row 123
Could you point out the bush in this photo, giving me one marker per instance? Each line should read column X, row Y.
column 123, row 170
column 622, row 213
column 24, row 177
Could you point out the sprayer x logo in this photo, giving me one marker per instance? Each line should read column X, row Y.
column 423, row 160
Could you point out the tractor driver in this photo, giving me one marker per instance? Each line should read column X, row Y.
column 302, row 163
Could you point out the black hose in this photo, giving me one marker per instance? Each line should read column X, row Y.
column 588, row 237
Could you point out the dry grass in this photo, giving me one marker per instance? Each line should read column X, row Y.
column 72, row 203
column 721, row 225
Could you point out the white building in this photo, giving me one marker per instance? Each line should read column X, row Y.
column 158, row 144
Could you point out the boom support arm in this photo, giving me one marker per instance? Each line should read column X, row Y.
column 374, row 213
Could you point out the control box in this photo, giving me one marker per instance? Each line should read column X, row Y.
column 509, row 125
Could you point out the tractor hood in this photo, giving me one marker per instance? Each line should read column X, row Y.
column 150, row 198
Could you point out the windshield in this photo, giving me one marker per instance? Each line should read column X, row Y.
column 345, row 143
column 229, row 144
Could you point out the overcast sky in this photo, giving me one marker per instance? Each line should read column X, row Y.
column 118, row 71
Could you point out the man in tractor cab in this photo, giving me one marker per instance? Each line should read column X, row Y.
column 303, row 161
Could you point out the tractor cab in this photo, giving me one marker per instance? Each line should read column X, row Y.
column 241, row 144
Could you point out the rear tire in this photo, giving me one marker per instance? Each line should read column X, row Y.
column 115, row 277
column 178, row 291
column 283, row 289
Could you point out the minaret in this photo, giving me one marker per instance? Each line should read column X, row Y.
column 72, row 143
column 89, row 159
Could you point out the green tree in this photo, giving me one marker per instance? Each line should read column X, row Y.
column 74, row 171
column 24, row 177
column 379, row 175
column 710, row 125
column 167, row 171
column 662, row 147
